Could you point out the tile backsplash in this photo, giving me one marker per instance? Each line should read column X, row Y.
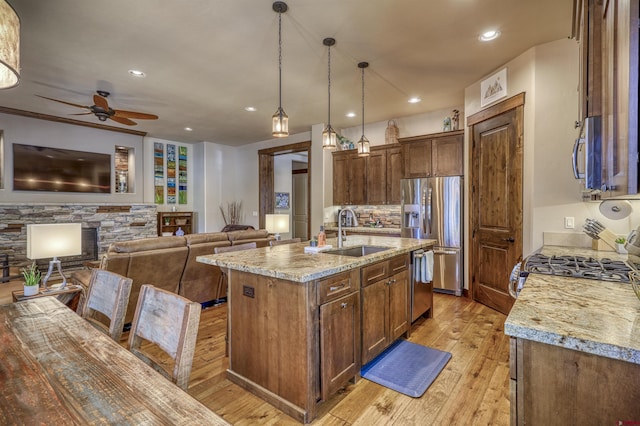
column 389, row 215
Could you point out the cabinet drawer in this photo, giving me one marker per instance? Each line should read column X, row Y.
column 375, row 272
column 337, row 286
column 398, row 264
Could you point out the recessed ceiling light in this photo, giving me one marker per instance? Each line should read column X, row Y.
column 250, row 109
column 414, row 100
column 137, row 73
column 489, row 35
column 351, row 114
column 188, row 129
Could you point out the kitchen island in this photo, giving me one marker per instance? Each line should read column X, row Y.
column 301, row 325
column 575, row 349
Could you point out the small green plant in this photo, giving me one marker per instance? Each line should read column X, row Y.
column 31, row 275
column 620, row 240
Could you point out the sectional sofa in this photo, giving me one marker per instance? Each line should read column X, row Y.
column 170, row 263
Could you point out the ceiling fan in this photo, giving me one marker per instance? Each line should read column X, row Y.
column 102, row 110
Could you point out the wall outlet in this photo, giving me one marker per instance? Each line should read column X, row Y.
column 255, row 214
column 569, row 222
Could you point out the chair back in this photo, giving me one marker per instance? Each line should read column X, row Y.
column 170, row 322
column 245, row 246
column 274, row 243
column 106, row 301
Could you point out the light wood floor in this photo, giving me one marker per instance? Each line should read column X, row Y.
column 473, row 389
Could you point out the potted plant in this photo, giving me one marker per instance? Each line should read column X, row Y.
column 31, row 280
column 620, row 245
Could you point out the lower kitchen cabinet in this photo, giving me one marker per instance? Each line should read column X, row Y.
column 339, row 342
column 552, row 385
column 385, row 305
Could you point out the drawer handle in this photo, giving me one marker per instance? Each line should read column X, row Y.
column 343, row 305
column 336, row 287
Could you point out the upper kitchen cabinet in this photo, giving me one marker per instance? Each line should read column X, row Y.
column 587, row 29
column 620, row 22
column 384, row 171
column 438, row 154
column 349, row 178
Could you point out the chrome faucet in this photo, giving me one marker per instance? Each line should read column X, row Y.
column 341, row 237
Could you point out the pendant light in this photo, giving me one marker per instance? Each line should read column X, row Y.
column 329, row 135
column 9, row 46
column 280, row 127
column 363, row 143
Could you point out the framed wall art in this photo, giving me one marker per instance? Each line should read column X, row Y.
column 282, row 200
column 493, row 88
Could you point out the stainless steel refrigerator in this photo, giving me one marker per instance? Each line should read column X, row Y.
column 432, row 208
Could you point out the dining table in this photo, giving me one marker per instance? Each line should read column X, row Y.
column 56, row 368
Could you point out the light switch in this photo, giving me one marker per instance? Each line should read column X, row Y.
column 569, row 222
column 255, row 214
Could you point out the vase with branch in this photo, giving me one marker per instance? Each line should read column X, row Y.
column 233, row 213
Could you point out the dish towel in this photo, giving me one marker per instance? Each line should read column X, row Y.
column 427, row 266
column 417, row 266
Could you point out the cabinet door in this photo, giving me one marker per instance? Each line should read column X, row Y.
column 446, row 156
column 377, row 177
column 417, row 158
column 375, row 318
column 357, row 182
column 340, row 178
column 395, row 172
column 398, row 305
column 339, row 342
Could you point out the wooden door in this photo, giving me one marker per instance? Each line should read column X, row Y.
column 446, row 156
column 496, row 200
column 395, row 172
column 398, row 305
column 417, row 158
column 299, row 202
column 339, row 342
column 377, row 177
column 375, row 319
column 357, row 182
column 340, row 178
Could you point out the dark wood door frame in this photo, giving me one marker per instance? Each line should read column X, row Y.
column 266, row 186
column 516, row 104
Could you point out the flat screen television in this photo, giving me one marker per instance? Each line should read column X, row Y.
column 39, row 168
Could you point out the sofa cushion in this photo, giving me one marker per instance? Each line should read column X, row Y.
column 145, row 244
column 211, row 237
column 249, row 234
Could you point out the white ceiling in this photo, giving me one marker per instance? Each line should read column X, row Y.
column 206, row 60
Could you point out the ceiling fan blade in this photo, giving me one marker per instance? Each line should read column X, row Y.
column 100, row 102
column 83, row 113
column 64, row 102
column 134, row 114
column 123, row 120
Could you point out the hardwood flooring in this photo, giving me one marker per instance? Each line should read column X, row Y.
column 473, row 389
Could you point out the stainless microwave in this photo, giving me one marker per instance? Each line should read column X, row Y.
column 587, row 154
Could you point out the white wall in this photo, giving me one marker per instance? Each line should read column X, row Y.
column 29, row 131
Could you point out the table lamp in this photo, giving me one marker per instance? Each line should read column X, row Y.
column 277, row 223
column 53, row 240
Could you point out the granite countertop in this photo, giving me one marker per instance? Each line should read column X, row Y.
column 366, row 229
column 290, row 262
column 592, row 316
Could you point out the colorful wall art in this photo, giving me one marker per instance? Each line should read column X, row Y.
column 158, row 172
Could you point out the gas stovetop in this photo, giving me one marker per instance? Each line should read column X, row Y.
column 579, row 267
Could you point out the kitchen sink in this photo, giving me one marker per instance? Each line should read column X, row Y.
column 357, row 251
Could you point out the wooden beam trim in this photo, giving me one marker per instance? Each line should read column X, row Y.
column 53, row 118
column 429, row 136
column 497, row 109
column 286, row 149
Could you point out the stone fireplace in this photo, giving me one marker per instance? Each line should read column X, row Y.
column 102, row 225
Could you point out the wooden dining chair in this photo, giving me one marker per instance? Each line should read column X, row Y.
column 106, row 302
column 170, row 322
column 224, row 281
column 274, row 243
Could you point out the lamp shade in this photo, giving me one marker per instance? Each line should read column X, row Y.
column 9, row 46
column 54, row 240
column 277, row 223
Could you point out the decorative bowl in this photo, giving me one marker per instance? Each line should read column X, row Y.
column 181, row 221
column 634, row 277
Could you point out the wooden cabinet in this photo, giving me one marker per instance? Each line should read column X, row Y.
column 385, row 305
column 171, row 221
column 433, row 155
column 554, row 385
column 368, row 180
column 588, row 33
column 349, row 178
